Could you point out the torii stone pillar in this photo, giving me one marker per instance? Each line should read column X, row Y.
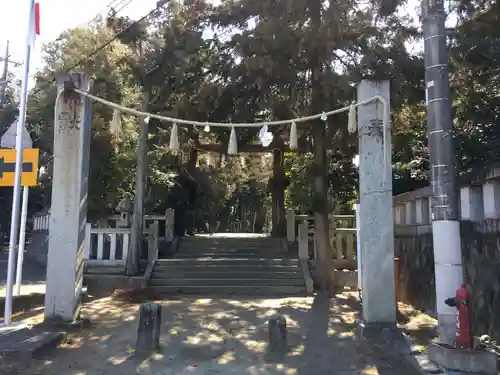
column 376, row 230
column 68, row 213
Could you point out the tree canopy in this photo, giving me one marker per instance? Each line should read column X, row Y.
column 252, row 60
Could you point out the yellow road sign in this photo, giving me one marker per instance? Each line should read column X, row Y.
column 8, row 166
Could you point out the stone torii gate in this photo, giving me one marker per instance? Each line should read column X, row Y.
column 72, row 130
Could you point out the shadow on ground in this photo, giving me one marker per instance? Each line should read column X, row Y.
column 221, row 336
column 34, row 275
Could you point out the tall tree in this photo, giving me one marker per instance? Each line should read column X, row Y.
column 303, row 57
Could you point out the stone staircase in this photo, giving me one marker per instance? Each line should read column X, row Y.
column 221, row 266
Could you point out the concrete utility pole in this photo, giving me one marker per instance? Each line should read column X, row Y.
column 445, row 224
column 3, row 79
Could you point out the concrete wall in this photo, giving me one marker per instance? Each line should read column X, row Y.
column 479, row 205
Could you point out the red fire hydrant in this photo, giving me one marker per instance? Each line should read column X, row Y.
column 465, row 339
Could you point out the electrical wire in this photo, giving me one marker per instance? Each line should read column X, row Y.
column 159, row 4
column 123, row 4
column 113, row 4
column 86, row 24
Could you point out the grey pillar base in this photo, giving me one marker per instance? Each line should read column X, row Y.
column 389, row 337
column 447, row 328
column 379, row 331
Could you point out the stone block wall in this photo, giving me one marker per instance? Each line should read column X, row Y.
column 416, row 271
column 478, row 199
column 481, row 260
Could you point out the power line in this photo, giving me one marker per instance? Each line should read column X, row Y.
column 116, row 5
column 122, row 4
column 159, row 4
column 113, row 4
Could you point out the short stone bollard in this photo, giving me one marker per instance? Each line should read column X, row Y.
column 148, row 330
column 277, row 335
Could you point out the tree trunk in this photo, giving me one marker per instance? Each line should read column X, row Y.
column 136, row 236
column 192, row 160
column 320, row 197
column 278, row 195
column 320, row 206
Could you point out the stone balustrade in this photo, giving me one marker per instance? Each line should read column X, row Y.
column 478, row 200
column 300, row 229
column 106, row 246
column 108, row 243
column 41, row 222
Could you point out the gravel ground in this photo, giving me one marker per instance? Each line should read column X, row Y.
column 219, row 336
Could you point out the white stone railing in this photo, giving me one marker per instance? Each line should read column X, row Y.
column 148, row 220
column 111, row 246
column 342, row 236
column 108, row 246
column 412, row 212
column 478, row 200
column 41, row 222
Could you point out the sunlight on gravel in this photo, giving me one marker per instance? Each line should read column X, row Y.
column 217, row 336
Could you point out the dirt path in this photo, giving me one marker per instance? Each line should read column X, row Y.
column 220, row 336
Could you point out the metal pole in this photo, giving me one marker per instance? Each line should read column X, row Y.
column 445, row 225
column 14, row 222
column 22, row 236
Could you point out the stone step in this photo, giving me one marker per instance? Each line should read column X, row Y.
column 238, row 255
column 221, row 240
column 226, row 290
column 185, row 242
column 226, row 262
column 209, row 249
column 230, row 244
column 228, row 258
column 235, row 282
column 217, row 273
column 271, row 245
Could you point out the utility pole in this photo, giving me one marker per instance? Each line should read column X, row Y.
column 3, row 79
column 445, row 224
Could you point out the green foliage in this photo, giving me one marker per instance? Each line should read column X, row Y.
column 248, row 60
